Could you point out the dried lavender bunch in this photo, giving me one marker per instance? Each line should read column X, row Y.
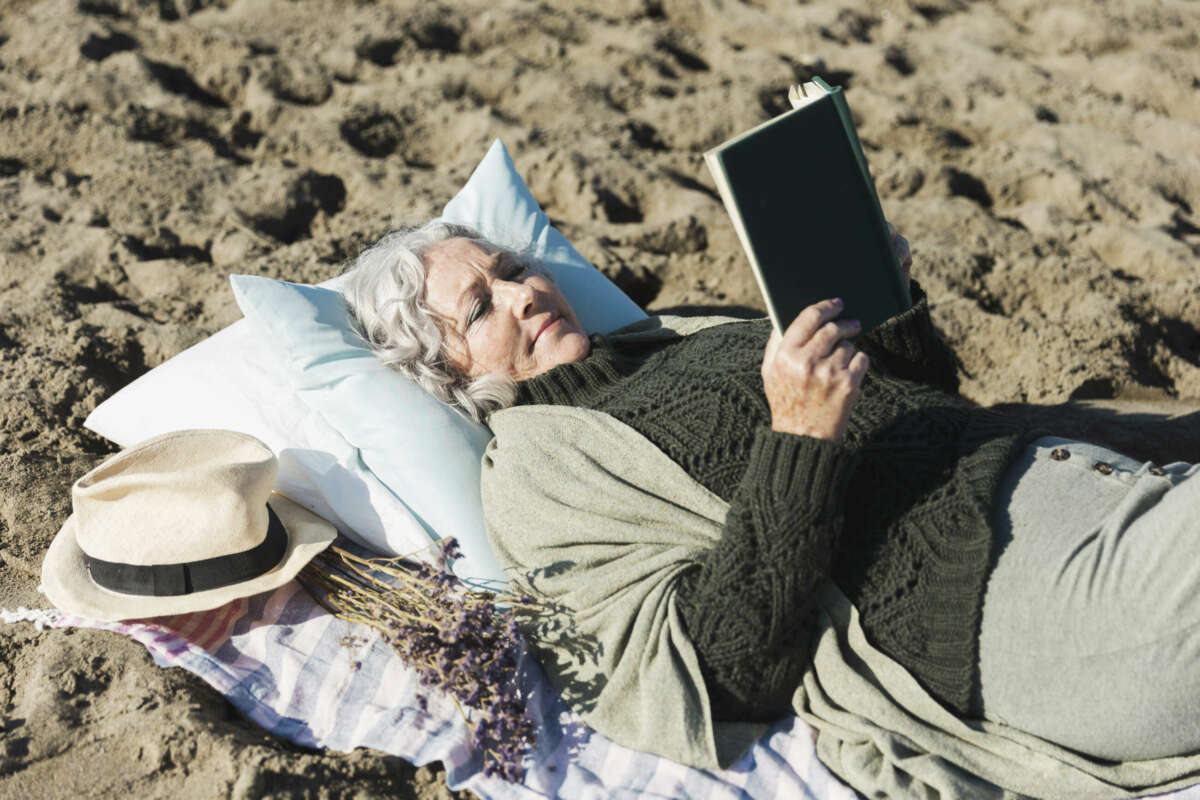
column 459, row 640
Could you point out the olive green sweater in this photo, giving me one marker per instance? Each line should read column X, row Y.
column 897, row 514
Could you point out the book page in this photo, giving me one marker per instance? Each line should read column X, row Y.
column 800, row 95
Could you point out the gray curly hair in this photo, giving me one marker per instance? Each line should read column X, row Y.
column 385, row 291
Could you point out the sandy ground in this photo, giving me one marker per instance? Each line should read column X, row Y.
column 1043, row 160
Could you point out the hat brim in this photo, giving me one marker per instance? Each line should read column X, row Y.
column 69, row 585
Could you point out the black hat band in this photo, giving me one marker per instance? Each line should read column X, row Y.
column 170, row 580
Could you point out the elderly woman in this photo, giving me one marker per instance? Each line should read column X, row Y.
column 691, row 492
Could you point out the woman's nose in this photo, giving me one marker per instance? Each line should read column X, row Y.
column 520, row 296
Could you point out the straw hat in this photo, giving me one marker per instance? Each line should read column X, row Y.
column 182, row 522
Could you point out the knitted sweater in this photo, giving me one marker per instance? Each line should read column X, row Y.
column 897, row 514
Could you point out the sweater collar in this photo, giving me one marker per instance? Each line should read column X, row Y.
column 576, row 383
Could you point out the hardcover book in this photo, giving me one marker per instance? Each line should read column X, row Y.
column 805, row 209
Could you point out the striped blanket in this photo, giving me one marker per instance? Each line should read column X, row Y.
column 300, row 673
column 318, row 681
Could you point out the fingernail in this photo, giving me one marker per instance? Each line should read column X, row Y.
column 837, row 301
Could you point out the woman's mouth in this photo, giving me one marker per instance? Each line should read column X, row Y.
column 550, row 323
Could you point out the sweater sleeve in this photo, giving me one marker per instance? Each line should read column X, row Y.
column 907, row 346
column 747, row 604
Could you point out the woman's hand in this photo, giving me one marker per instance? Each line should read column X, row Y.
column 811, row 374
column 900, row 248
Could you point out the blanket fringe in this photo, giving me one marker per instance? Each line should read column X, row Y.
column 42, row 618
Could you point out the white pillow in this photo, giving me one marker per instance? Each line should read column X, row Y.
column 234, row 381
column 343, row 425
column 426, row 453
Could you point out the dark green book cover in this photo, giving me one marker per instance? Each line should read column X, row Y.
column 799, row 192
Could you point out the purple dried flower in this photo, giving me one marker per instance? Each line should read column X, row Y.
column 456, row 640
column 479, row 736
column 447, row 552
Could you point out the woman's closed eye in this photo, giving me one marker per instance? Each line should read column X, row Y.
column 481, row 309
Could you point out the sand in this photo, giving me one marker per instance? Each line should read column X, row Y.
column 1043, row 160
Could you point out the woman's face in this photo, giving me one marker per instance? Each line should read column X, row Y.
column 499, row 317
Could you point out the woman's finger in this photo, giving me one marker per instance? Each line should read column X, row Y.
column 828, row 335
column 901, row 249
column 903, row 254
column 843, row 354
column 810, row 320
column 858, row 367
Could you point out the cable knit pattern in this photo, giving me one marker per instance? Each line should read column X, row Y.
column 911, row 547
column 754, row 591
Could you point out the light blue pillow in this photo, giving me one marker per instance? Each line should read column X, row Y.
column 425, row 453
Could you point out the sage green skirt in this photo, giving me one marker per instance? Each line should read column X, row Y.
column 1090, row 633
